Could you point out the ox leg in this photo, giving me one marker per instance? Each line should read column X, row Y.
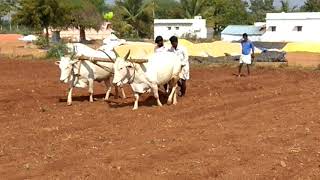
column 116, row 96
column 172, row 96
column 156, row 94
column 90, row 90
column 69, row 99
column 123, row 94
column 108, row 89
column 135, row 106
column 175, row 95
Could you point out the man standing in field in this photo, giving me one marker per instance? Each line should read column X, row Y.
column 182, row 53
column 247, row 54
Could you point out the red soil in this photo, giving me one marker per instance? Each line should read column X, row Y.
column 266, row 126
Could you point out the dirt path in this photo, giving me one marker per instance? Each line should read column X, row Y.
column 261, row 127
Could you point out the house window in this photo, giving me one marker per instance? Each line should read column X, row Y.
column 299, row 28
column 169, row 28
column 273, row 28
column 177, row 28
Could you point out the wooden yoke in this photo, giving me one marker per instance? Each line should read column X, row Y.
column 84, row 58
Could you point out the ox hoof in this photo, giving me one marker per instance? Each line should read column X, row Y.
column 134, row 109
column 69, row 103
column 169, row 102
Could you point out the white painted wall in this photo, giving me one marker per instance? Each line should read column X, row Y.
column 91, row 34
column 229, row 38
column 180, row 27
column 286, row 27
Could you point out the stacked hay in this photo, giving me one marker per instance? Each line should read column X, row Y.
column 302, row 47
column 142, row 50
column 139, row 50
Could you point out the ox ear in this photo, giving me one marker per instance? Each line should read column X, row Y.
column 57, row 63
column 127, row 55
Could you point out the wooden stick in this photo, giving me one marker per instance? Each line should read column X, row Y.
column 83, row 58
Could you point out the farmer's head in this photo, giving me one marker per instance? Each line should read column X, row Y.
column 174, row 41
column 159, row 41
column 245, row 36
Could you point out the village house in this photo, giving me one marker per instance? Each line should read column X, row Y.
column 181, row 28
column 292, row 27
column 279, row 27
column 235, row 32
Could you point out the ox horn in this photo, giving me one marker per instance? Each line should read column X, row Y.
column 139, row 61
column 116, row 53
column 127, row 55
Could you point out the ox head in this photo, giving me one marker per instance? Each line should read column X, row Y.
column 65, row 65
column 123, row 69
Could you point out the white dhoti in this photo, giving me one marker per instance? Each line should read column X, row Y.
column 185, row 74
column 245, row 59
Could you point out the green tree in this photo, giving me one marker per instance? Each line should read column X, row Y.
column 167, row 9
column 193, row 8
column 133, row 16
column 285, row 6
column 4, row 8
column 225, row 12
column 84, row 14
column 311, row 6
column 260, row 8
column 40, row 14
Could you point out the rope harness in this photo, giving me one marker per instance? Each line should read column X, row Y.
column 79, row 62
column 131, row 79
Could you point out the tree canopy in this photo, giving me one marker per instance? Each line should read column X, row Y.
column 259, row 8
column 60, row 14
column 84, row 14
column 311, row 6
column 133, row 18
column 6, row 6
column 40, row 14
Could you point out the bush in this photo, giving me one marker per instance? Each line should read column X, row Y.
column 42, row 42
column 54, row 50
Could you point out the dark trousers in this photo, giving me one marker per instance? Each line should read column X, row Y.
column 183, row 86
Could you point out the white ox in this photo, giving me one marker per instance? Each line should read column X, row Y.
column 159, row 69
column 82, row 73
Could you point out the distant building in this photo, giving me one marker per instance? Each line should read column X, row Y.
column 181, row 28
column 279, row 27
column 235, row 32
column 292, row 27
column 91, row 34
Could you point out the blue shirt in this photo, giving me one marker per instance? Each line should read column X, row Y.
column 247, row 47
